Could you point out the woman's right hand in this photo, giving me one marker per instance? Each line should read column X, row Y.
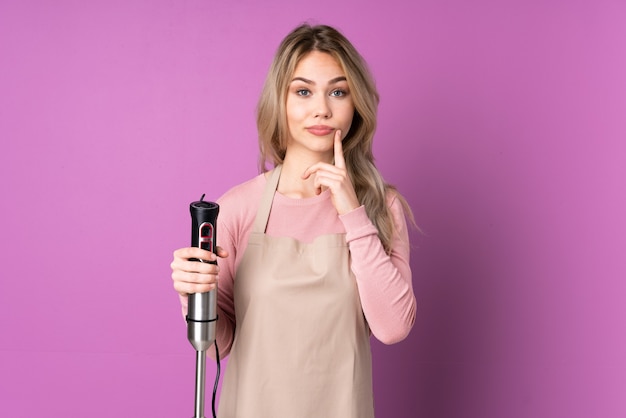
column 195, row 276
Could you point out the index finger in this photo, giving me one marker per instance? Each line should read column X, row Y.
column 340, row 161
column 188, row 253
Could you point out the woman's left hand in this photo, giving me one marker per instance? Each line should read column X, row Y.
column 335, row 177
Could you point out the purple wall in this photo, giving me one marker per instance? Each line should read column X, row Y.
column 503, row 122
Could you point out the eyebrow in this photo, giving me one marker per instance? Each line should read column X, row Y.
column 307, row 81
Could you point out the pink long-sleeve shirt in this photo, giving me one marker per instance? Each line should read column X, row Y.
column 383, row 280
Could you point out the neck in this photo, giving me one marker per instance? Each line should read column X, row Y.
column 294, row 165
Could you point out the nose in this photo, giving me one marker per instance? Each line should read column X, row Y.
column 322, row 108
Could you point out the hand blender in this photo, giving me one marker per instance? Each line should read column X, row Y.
column 202, row 307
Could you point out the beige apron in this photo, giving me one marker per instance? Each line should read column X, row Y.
column 301, row 346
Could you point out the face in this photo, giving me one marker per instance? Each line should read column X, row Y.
column 318, row 104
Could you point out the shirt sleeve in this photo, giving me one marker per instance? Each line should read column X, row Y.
column 225, row 329
column 384, row 280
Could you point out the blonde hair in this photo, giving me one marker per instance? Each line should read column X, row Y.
column 369, row 185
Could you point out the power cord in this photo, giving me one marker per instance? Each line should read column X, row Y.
column 217, row 377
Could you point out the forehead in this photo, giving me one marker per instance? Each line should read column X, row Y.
column 318, row 65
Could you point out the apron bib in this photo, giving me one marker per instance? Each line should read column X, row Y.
column 301, row 347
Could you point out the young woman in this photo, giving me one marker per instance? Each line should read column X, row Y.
column 314, row 252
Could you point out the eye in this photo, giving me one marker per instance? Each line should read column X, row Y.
column 303, row 92
column 338, row 93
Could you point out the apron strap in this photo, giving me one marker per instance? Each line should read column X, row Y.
column 263, row 213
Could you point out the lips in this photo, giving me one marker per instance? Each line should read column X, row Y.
column 320, row 130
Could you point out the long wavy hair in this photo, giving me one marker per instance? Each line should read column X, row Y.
column 371, row 189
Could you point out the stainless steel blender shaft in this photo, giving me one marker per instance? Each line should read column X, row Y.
column 200, row 380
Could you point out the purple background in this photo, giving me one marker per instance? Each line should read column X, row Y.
column 503, row 123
